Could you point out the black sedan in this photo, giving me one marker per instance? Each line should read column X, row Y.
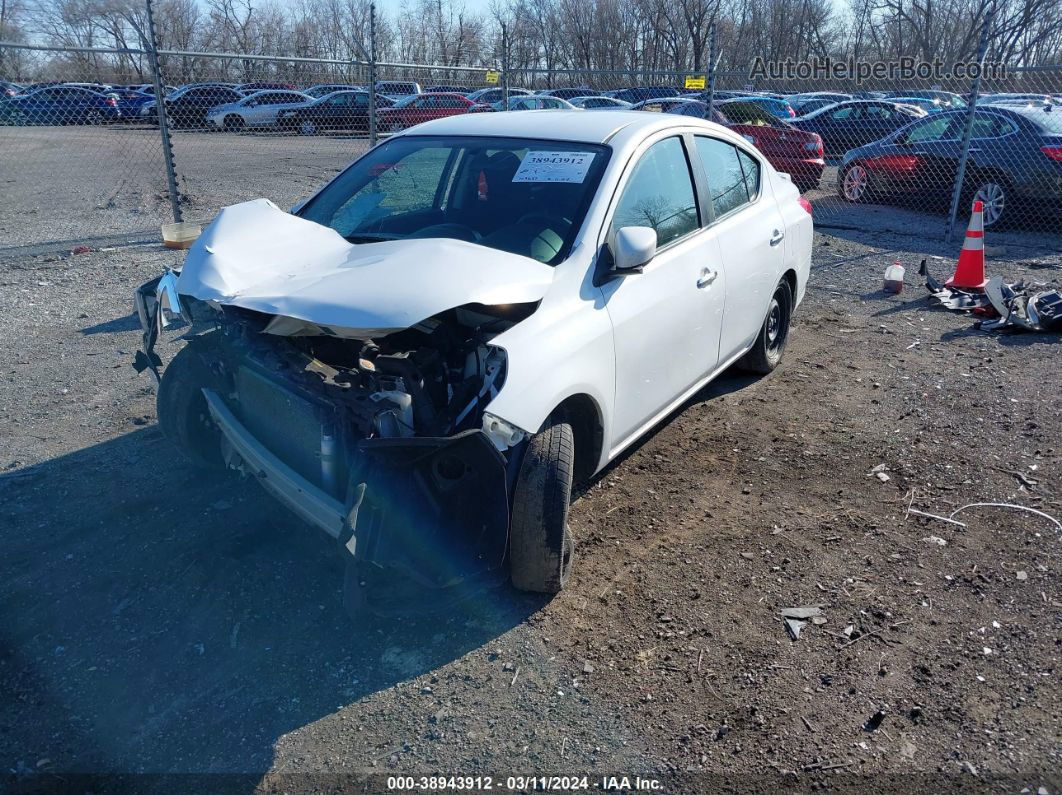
column 1015, row 158
column 188, row 105
column 341, row 110
column 847, row 125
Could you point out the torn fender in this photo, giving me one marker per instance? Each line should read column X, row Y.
column 435, row 508
column 256, row 256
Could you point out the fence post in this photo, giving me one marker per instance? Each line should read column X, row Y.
column 372, row 75
column 505, row 66
column 960, row 175
column 160, row 112
column 711, row 69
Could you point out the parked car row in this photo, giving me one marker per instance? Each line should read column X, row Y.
column 890, row 145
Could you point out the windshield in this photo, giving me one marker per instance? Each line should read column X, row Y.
column 524, row 196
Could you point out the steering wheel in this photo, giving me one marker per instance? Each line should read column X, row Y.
column 452, row 230
column 549, row 219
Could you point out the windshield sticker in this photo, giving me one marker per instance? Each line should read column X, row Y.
column 554, row 167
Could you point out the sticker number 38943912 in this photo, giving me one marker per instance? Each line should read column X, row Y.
column 554, row 167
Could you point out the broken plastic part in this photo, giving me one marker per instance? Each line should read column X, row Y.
column 501, row 433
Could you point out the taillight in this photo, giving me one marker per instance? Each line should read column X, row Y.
column 112, row 102
column 1053, row 152
column 805, row 204
column 792, row 113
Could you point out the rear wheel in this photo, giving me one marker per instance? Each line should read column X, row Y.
column 307, row 127
column 182, row 410
column 541, row 547
column 853, row 184
column 93, row 117
column 994, row 193
column 233, row 123
column 767, row 352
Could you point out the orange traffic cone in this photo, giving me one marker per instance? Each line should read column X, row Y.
column 970, row 271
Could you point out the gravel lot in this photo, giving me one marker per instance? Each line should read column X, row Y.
column 156, row 623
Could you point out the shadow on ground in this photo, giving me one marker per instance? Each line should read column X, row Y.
column 155, row 619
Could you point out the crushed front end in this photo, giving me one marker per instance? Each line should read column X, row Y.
column 383, row 443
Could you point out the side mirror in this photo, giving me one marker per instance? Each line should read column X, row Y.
column 635, row 247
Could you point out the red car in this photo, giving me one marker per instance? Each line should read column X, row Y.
column 421, row 107
column 792, row 151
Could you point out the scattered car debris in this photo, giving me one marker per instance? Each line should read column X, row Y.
column 80, row 250
column 950, row 518
column 940, row 542
column 1019, row 306
column 875, row 720
column 796, row 618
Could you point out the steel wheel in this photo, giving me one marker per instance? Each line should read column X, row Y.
column 855, row 184
column 994, row 197
column 776, row 328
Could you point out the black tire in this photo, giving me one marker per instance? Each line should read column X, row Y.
column 541, row 547
column 182, row 410
column 767, row 351
column 233, row 123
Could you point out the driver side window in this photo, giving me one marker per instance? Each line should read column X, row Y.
column 659, row 194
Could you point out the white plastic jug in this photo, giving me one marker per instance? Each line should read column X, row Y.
column 894, row 278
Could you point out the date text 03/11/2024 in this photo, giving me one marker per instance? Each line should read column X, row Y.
column 523, row 783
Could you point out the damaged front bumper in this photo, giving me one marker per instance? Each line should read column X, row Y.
column 435, row 510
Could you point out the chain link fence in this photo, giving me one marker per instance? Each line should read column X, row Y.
column 82, row 158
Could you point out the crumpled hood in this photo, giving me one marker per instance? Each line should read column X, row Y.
column 256, row 256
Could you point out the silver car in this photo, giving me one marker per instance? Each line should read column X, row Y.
column 259, row 109
column 599, row 103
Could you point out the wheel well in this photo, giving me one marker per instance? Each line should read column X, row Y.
column 791, row 277
column 582, row 414
column 975, row 175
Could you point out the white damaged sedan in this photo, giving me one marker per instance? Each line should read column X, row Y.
column 423, row 356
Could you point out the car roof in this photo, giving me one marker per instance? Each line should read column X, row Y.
column 557, row 125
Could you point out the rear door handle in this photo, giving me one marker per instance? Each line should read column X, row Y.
column 776, row 238
column 707, row 277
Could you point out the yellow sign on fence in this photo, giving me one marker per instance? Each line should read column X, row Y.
column 492, row 77
column 695, row 82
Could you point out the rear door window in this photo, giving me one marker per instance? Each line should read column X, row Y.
column 723, row 169
column 934, row 129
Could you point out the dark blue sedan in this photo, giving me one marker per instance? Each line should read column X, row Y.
column 1015, row 160
column 60, row 105
column 856, row 122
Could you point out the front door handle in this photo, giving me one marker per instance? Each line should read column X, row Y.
column 776, row 238
column 707, row 277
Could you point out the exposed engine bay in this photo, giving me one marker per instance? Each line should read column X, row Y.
column 382, row 442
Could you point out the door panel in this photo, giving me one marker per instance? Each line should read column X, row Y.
column 666, row 319
column 751, row 237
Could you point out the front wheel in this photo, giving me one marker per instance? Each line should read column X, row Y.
column 308, row 128
column 182, row 410
column 767, row 351
column 541, row 547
